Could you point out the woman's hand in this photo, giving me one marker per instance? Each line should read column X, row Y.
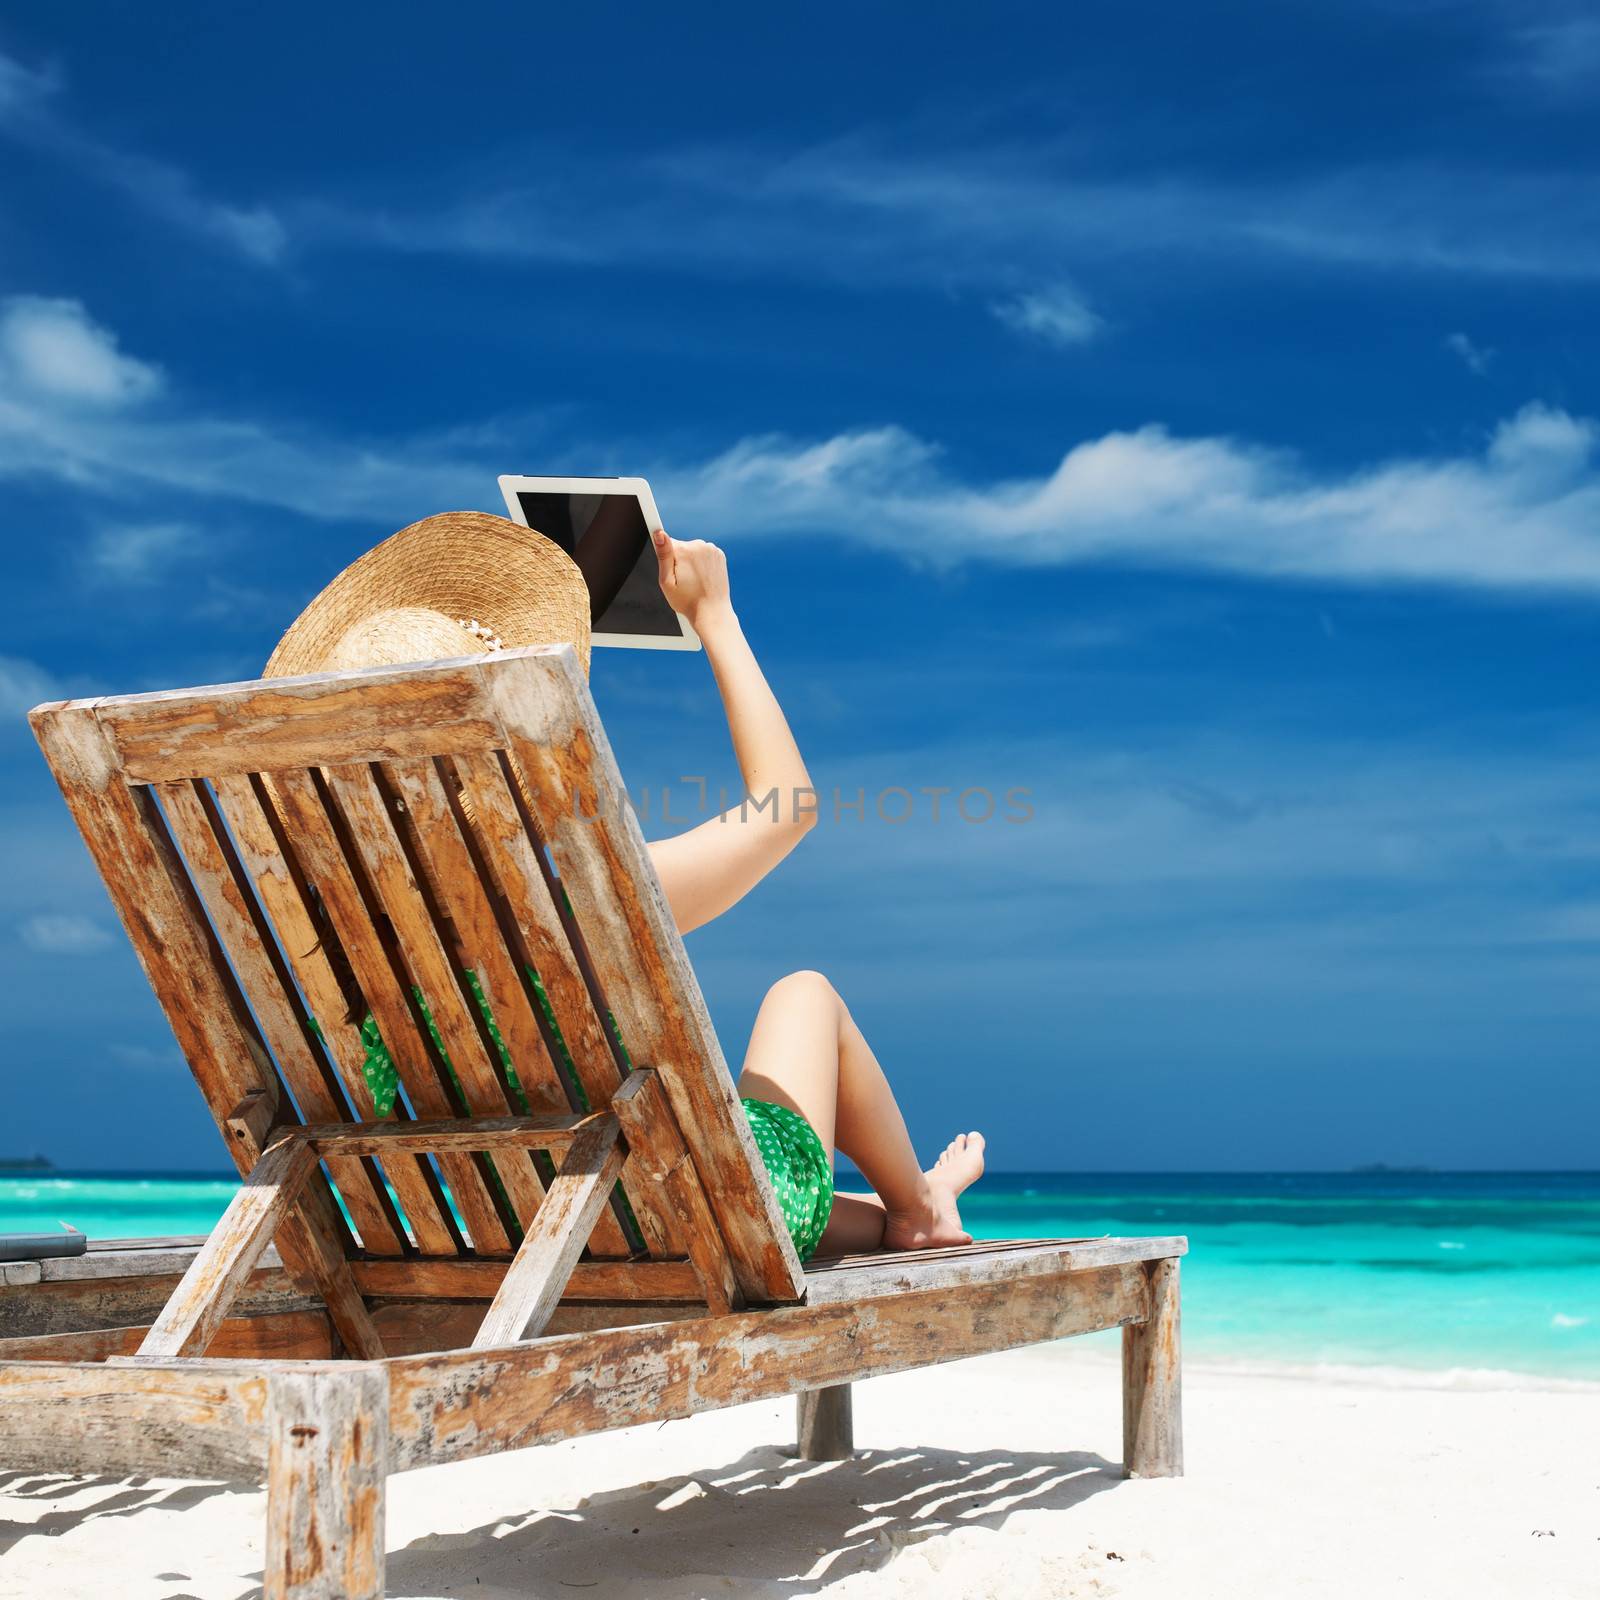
column 694, row 577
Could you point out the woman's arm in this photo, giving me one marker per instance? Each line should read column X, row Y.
column 709, row 868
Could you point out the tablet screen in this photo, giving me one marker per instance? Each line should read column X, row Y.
column 606, row 535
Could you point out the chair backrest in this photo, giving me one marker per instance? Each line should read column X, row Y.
column 402, row 850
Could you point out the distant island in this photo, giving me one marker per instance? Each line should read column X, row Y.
column 1375, row 1167
column 26, row 1164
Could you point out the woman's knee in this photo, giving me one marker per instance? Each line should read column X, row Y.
column 805, row 986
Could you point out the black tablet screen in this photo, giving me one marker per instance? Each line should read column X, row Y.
column 605, row 534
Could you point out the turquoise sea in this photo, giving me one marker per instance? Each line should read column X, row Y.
column 1462, row 1273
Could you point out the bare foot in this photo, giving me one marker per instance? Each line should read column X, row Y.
column 938, row 1221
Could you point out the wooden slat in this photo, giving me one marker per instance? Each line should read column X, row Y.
column 78, row 1304
column 373, row 836
column 157, row 904
column 513, row 857
column 226, row 1260
column 657, row 1151
column 480, row 940
column 269, row 858
column 327, row 1459
column 203, row 1422
column 866, row 1276
column 386, row 991
column 554, row 736
column 537, row 1277
column 459, row 1134
column 469, row 1403
column 515, row 867
column 447, row 850
column 276, row 1336
column 256, row 960
column 481, row 1280
column 297, row 722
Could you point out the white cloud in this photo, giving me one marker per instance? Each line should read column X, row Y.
column 52, row 348
column 66, row 411
column 1477, row 357
column 28, row 114
column 139, row 551
column 24, row 685
column 1058, row 315
column 63, row 935
column 1522, row 514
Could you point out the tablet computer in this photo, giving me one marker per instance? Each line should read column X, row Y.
column 604, row 525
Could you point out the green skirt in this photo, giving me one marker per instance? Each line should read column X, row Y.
column 795, row 1158
column 797, row 1162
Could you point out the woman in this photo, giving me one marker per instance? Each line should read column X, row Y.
column 811, row 1084
column 462, row 583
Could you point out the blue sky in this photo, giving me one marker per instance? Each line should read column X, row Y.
column 1184, row 414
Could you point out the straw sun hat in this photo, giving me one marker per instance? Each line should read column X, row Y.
column 458, row 584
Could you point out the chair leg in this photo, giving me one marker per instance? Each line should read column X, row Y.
column 824, row 1424
column 327, row 1458
column 1152, row 1382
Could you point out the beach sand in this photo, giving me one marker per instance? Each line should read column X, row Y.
column 994, row 1477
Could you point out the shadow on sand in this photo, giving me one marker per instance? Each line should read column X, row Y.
column 763, row 1525
column 766, row 1524
column 127, row 1497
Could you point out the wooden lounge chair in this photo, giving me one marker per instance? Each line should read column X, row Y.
column 511, row 1257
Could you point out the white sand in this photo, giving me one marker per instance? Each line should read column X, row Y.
column 991, row 1477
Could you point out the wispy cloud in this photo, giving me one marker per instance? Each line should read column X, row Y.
column 1521, row 513
column 1059, row 315
column 60, row 934
column 54, row 349
column 23, row 685
column 136, row 552
column 131, row 438
column 1557, row 55
column 30, row 113
column 1476, row 357
column 863, row 214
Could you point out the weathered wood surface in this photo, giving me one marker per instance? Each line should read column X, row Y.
column 372, row 715
column 406, row 1327
column 458, row 1134
column 327, row 1460
column 1152, row 1382
column 512, row 855
column 134, row 1297
column 446, row 853
column 158, row 907
column 824, row 1424
column 386, row 989
column 224, row 1263
column 374, row 836
column 480, row 1280
column 684, row 1218
column 223, row 887
column 518, row 875
column 985, row 1261
column 536, row 1278
column 269, row 857
column 554, row 736
column 202, row 1422
column 450, row 1407
column 75, row 1305
column 273, row 1336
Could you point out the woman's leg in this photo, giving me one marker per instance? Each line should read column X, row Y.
column 807, row 1053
